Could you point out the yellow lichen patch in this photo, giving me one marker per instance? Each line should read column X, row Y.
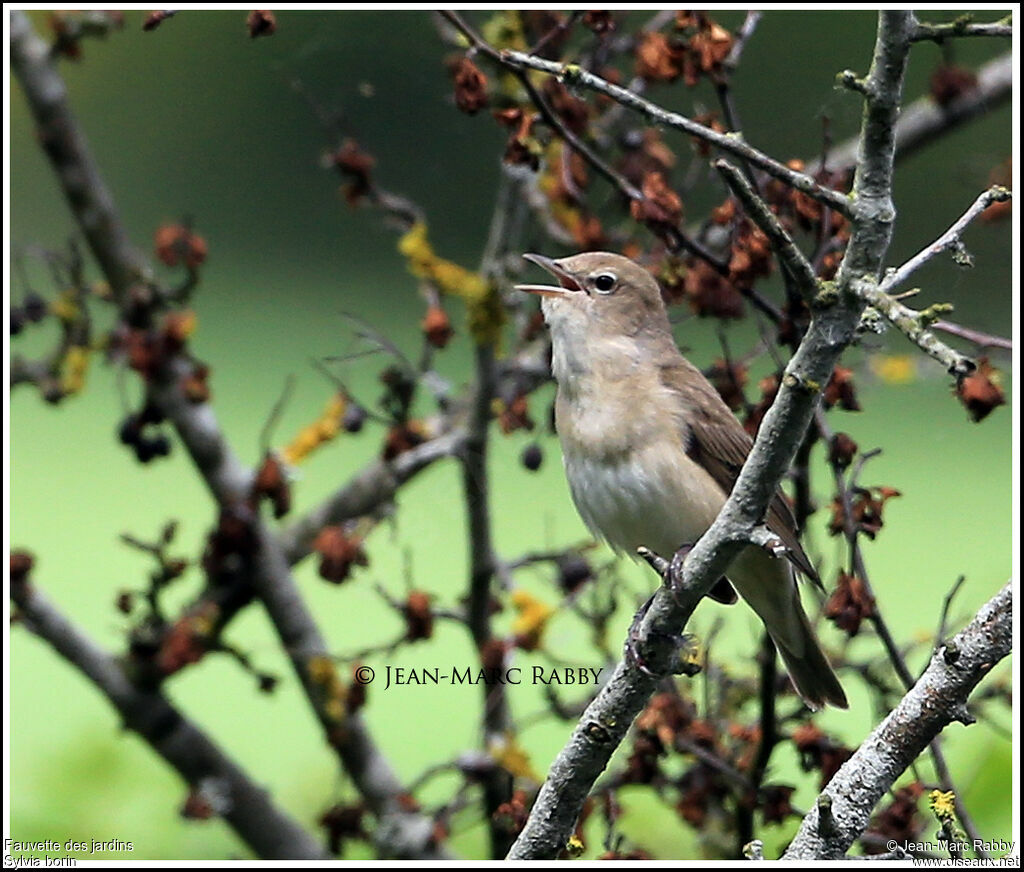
column 574, row 847
column 894, row 369
column 73, row 369
column 532, row 617
column 505, row 30
column 483, row 305
column 941, row 803
column 323, row 673
column 510, row 756
column 323, row 429
column 65, row 306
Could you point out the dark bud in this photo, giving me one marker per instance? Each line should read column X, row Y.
column 776, row 805
column 841, row 391
column 842, row 450
column 343, row 822
column 419, row 619
column 150, row 414
column 470, row 86
column 53, row 393
column 354, row 417
column 154, row 19
column 35, row 307
column 573, row 572
column 600, row 21
column 981, row 391
column 130, row 430
column 261, row 22
column 532, row 457
column 197, row 807
column 949, row 82
column 161, row 445
column 437, row 327
column 124, row 602
column 145, row 451
column 21, row 566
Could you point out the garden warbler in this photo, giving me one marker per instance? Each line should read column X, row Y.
column 651, row 451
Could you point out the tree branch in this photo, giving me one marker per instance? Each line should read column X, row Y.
column 728, row 142
column 962, row 26
column 608, row 717
column 937, row 699
column 785, row 248
column 924, row 120
column 400, row 832
column 366, row 491
column 268, row 831
column 950, row 240
column 65, row 145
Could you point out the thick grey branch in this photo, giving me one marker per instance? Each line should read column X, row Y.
column 605, row 722
column 66, row 147
column 937, row 699
column 268, row 831
column 228, row 479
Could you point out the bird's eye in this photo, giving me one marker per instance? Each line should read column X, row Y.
column 604, row 283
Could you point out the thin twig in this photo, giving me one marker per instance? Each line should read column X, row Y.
column 782, row 243
column 979, row 338
column 951, row 239
column 962, row 26
column 729, row 143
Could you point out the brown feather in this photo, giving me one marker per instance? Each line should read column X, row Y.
column 718, row 442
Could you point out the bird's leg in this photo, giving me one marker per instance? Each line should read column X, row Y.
column 673, row 577
column 631, row 649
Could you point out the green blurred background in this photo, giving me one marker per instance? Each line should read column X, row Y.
column 197, row 119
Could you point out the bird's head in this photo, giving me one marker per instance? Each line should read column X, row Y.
column 598, row 294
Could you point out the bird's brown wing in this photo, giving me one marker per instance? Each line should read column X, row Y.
column 718, row 442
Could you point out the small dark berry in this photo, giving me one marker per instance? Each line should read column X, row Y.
column 161, row 445
column 532, row 457
column 53, row 393
column 354, row 418
column 144, row 450
column 35, row 307
column 573, row 571
column 130, row 430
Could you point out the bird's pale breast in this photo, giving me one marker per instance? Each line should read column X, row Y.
column 630, row 477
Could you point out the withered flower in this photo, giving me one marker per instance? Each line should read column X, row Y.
column 261, row 22
column 980, row 392
column 849, row 604
column 470, row 86
column 339, row 552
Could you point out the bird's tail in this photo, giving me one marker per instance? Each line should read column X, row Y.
column 811, row 673
column 767, row 585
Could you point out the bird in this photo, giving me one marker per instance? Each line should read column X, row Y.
column 651, row 451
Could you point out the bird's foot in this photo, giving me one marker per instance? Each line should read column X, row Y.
column 685, row 656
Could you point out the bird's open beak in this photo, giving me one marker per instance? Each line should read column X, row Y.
column 566, row 283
